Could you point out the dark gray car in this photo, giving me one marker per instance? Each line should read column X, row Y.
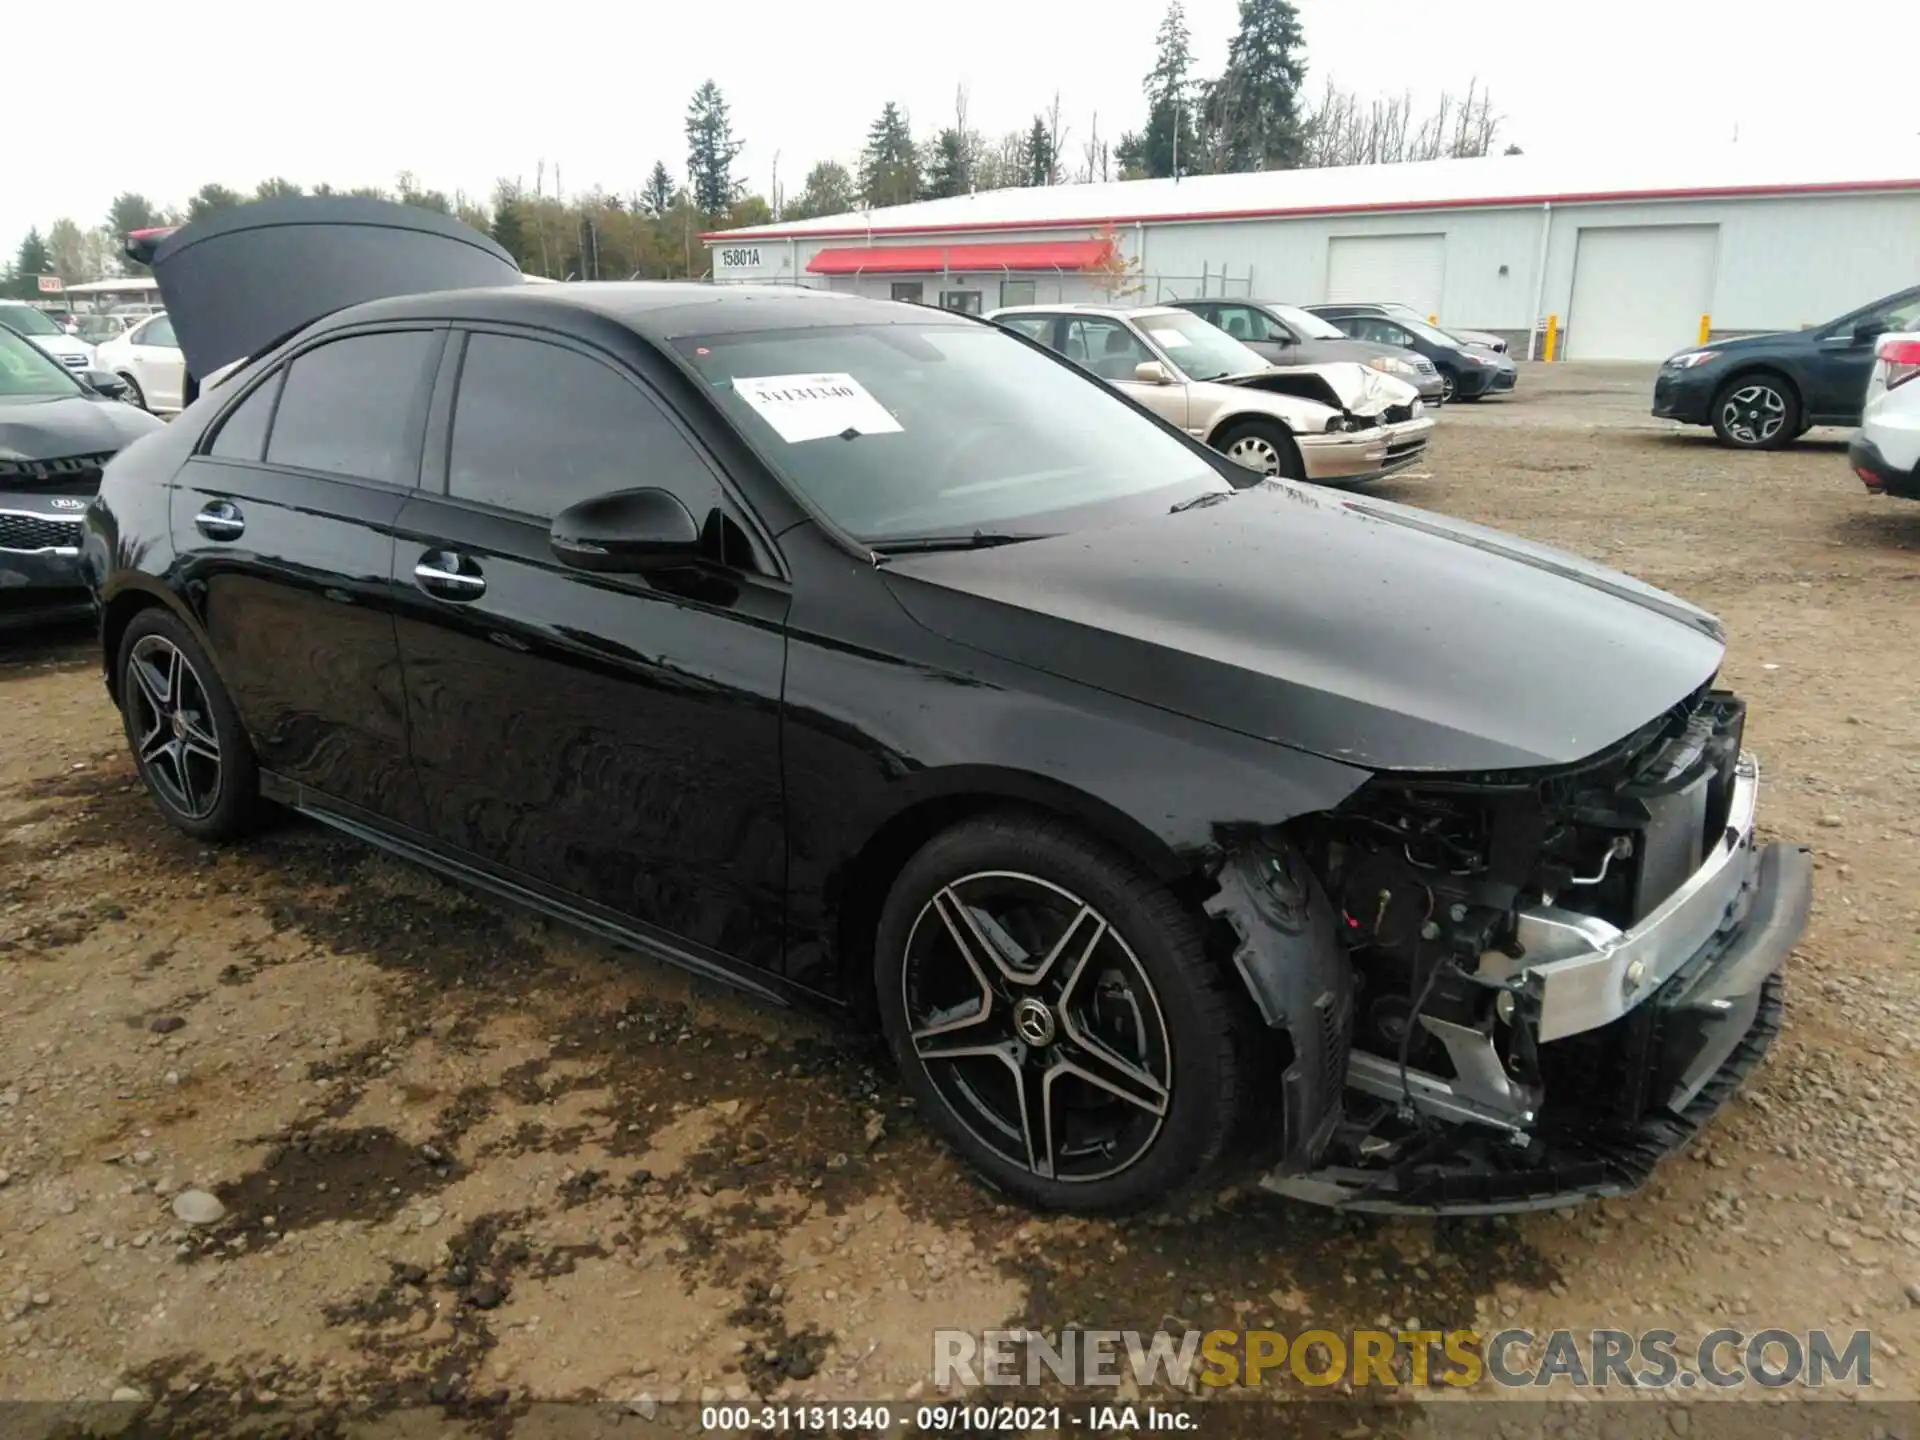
column 1288, row 335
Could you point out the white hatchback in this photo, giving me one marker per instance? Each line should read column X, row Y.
column 149, row 360
column 1885, row 453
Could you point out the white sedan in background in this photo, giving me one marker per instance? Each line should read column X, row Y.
column 1885, row 454
column 149, row 360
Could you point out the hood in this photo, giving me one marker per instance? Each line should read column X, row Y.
column 241, row 280
column 63, row 345
column 1367, row 632
column 1342, row 384
column 1769, row 340
column 34, row 429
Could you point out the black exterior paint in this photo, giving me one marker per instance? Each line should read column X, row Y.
column 713, row 762
column 1827, row 366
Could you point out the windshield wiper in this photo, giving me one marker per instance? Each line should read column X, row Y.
column 1210, row 497
column 928, row 544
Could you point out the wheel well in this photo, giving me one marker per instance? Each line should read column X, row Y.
column 113, row 624
column 1248, row 418
column 868, row 880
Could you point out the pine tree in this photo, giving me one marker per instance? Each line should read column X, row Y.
column 889, row 166
column 1252, row 111
column 509, row 229
column 1169, row 137
column 30, row 263
column 952, row 169
column 1041, row 161
column 711, row 150
column 657, row 198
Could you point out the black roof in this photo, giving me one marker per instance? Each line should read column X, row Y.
column 659, row 310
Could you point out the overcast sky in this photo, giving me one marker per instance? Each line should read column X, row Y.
column 232, row 91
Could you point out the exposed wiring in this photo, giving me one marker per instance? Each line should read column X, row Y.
column 1407, row 1107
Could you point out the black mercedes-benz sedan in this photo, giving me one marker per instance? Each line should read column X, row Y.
column 1159, row 815
column 57, row 431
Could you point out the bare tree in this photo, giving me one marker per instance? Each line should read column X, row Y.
column 1056, row 138
column 1342, row 129
column 1096, row 157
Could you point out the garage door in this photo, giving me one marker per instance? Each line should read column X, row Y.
column 1639, row 291
column 1406, row 269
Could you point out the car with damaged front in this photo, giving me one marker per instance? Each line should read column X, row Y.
column 1162, row 817
column 1333, row 423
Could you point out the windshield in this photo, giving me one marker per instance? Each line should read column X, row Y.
column 918, row 429
column 26, row 370
column 27, row 320
column 1202, row 351
column 1305, row 323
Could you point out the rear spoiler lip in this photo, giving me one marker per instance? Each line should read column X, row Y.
column 141, row 244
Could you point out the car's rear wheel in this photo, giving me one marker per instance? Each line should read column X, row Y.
column 186, row 736
column 135, row 396
column 1263, row 446
column 1052, row 1009
column 1756, row 412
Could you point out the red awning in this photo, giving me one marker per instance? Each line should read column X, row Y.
column 959, row 259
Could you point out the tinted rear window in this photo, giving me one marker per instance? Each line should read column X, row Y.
column 350, row 407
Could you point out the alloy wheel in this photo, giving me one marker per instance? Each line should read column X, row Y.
column 1037, row 1026
column 174, row 737
column 1754, row 414
column 1255, row 452
column 1447, row 388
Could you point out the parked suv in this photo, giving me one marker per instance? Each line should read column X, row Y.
column 1468, row 371
column 1761, row 392
column 1288, row 335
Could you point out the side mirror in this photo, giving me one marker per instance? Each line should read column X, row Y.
column 1152, row 372
column 1867, row 331
column 629, row 531
column 104, row 382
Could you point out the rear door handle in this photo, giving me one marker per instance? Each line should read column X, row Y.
column 221, row 520
column 449, row 575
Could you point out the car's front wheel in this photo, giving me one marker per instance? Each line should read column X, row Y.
column 1052, row 1009
column 1756, row 412
column 1263, row 446
column 185, row 734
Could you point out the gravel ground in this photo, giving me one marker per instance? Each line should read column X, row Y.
column 295, row 1120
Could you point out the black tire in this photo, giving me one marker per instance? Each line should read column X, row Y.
column 1757, row 411
column 135, row 396
column 186, row 737
column 1269, row 441
column 1180, row 1091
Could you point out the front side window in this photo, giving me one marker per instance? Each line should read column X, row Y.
column 940, row 428
column 537, row 428
column 347, row 407
column 1305, row 323
column 27, row 372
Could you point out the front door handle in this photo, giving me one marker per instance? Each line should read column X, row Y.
column 449, row 575
column 221, row 520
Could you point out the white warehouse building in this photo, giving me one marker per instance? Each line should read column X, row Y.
column 1629, row 255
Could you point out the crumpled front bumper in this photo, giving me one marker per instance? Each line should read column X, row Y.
column 1668, row 1017
column 1365, row 454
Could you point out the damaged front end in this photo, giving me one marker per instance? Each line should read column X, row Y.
column 1534, row 985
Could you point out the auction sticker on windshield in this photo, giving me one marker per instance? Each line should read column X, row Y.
column 812, row 407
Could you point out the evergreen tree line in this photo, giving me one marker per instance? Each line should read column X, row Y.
column 1252, row 115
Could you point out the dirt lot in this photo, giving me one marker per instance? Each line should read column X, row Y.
column 462, row 1151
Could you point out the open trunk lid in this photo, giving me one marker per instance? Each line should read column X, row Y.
column 239, row 281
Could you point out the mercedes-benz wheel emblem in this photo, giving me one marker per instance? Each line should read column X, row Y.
column 1033, row 1023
